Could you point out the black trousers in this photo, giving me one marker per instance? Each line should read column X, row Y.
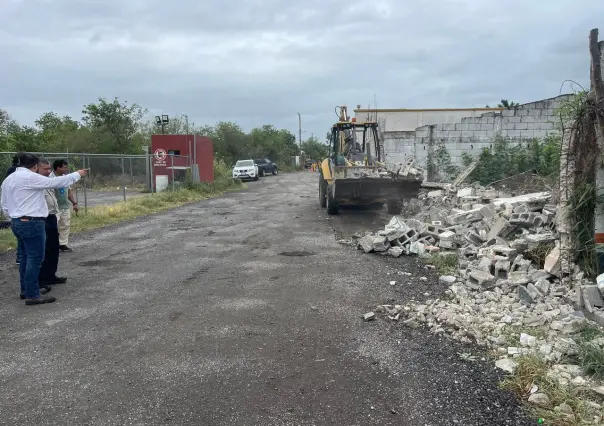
column 48, row 271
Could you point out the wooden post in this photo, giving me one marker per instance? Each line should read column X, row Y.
column 596, row 79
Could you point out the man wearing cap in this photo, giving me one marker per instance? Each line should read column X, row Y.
column 23, row 201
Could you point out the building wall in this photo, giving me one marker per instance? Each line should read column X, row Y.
column 402, row 120
column 466, row 134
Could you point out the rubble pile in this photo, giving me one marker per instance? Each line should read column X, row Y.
column 408, row 171
column 507, row 278
column 501, row 242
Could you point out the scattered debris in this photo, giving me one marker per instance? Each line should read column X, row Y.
column 369, row 316
column 505, row 285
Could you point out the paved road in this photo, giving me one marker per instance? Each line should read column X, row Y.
column 242, row 310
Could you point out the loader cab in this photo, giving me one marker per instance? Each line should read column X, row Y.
column 357, row 142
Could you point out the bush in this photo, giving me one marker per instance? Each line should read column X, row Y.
column 508, row 158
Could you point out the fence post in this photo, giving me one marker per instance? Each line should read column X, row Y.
column 85, row 191
column 131, row 173
column 172, row 161
column 123, row 178
column 150, row 165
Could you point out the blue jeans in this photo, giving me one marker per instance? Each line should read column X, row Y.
column 19, row 250
column 31, row 244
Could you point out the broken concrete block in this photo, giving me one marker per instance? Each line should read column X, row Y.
column 527, row 296
column 447, row 279
column 552, row 261
column 464, row 217
column 380, row 243
column 521, row 264
column 417, row 248
column 504, row 251
column 481, row 278
column 502, row 268
column 592, row 293
column 395, row 251
column 488, row 212
column 467, row 253
column 537, row 274
column 501, row 228
column 518, row 278
column 543, row 286
column 522, row 219
column 447, row 236
column 600, row 283
column 436, row 194
column 473, row 238
column 520, row 245
column 432, row 231
column 466, row 192
column 534, row 240
column 366, row 243
column 369, row 316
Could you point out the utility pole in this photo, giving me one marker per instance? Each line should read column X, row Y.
column 187, row 123
column 300, row 130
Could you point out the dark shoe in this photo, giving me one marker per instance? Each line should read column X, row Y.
column 43, row 291
column 40, row 300
column 17, row 261
column 54, row 281
column 65, row 248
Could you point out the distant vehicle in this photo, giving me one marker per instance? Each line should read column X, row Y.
column 309, row 164
column 245, row 170
column 266, row 166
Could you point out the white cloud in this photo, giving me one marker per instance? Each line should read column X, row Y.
column 260, row 62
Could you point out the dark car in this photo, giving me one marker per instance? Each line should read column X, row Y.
column 266, row 166
column 308, row 164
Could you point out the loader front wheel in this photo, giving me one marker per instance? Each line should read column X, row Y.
column 332, row 203
column 322, row 191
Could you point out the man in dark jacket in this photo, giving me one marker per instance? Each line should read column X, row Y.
column 12, row 168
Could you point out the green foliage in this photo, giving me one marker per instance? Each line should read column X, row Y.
column 507, row 104
column 507, row 158
column 116, row 127
column 440, row 163
column 314, row 149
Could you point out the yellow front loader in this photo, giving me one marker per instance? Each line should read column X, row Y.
column 355, row 172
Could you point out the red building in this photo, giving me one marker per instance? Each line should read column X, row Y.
column 174, row 155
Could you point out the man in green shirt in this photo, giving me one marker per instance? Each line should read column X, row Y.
column 66, row 200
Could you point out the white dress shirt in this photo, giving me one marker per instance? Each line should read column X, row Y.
column 23, row 192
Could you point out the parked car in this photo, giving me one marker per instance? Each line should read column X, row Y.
column 245, row 170
column 308, row 164
column 266, row 166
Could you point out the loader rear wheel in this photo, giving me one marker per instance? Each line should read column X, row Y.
column 322, row 191
column 332, row 203
column 394, row 206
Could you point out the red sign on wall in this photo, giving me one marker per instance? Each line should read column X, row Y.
column 160, row 157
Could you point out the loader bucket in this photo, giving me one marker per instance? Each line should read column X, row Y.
column 371, row 189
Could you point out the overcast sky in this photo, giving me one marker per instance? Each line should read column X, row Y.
column 262, row 61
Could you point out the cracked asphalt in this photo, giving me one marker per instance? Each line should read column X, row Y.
column 241, row 310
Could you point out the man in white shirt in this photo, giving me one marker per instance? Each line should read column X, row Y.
column 48, row 271
column 23, row 201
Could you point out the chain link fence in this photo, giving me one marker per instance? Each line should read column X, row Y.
column 113, row 177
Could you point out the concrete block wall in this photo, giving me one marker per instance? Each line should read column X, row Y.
column 472, row 134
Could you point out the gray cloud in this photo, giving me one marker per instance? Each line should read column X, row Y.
column 257, row 62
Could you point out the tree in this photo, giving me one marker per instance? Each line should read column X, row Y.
column 505, row 104
column 315, row 149
column 115, row 125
